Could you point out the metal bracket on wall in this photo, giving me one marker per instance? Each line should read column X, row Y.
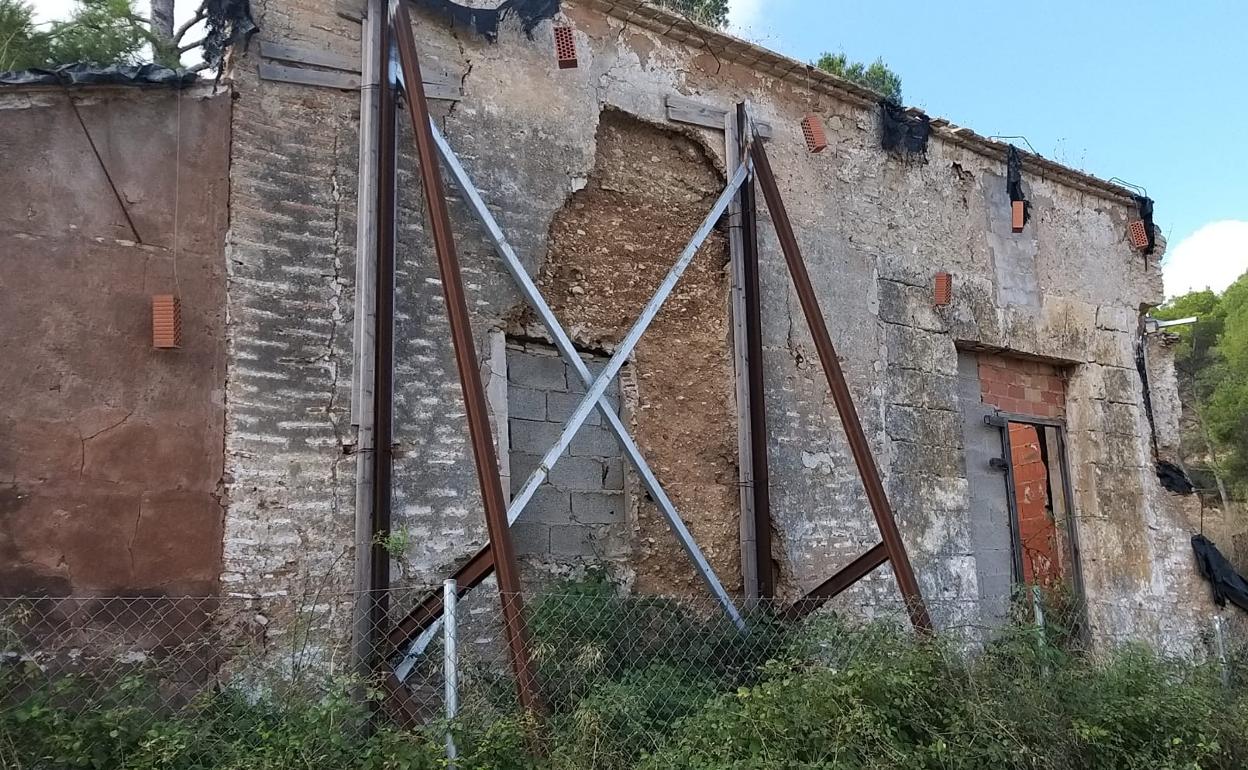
column 329, row 70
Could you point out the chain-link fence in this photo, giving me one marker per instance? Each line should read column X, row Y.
column 614, row 680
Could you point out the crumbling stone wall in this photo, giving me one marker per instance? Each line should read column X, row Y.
column 874, row 227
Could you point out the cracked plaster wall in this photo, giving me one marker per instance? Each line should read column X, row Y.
column 874, row 230
column 110, row 450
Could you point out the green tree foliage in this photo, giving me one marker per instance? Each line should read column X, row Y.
column 100, row 32
column 876, row 76
column 1212, row 366
column 713, row 13
column 22, row 44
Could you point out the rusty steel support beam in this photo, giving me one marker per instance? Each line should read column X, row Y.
column 858, row 444
column 504, row 555
column 761, row 490
column 383, row 368
column 832, row 587
column 425, row 614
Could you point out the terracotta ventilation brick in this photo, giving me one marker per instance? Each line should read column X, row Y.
column 565, row 47
column 944, row 289
column 1137, row 232
column 1019, row 216
column 816, row 137
column 166, row 321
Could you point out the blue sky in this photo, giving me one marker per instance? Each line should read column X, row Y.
column 1153, row 91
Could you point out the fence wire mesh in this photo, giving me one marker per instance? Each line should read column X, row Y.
column 248, row 683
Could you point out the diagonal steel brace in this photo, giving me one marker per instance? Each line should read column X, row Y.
column 568, row 350
column 426, row 628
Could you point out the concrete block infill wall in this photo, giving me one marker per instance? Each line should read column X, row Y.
column 579, row 513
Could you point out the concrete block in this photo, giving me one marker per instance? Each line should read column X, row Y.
column 548, row 506
column 532, row 437
column 559, row 407
column 598, row 507
column 526, row 403
column 522, row 465
column 530, row 537
column 534, row 370
column 593, row 441
column 577, row 474
column 572, row 540
column 595, row 368
column 613, row 475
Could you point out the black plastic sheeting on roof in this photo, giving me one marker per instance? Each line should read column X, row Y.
column 229, row 23
column 903, row 131
column 1014, row 180
column 1228, row 585
column 486, row 20
column 91, row 74
column 1146, row 213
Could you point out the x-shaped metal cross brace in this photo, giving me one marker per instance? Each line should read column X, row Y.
column 595, row 395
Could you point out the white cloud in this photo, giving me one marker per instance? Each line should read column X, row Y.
column 743, row 15
column 1212, row 257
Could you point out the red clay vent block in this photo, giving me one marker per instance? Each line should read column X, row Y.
column 1137, row 232
column 166, row 321
column 1019, row 216
column 816, row 137
column 944, row 289
column 565, row 47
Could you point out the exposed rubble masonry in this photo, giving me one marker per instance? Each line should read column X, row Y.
column 610, row 247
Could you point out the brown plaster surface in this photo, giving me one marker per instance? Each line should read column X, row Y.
column 110, row 450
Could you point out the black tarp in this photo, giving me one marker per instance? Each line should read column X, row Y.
column 1014, row 180
column 902, row 131
column 1228, row 585
column 1145, row 204
column 229, row 23
column 486, row 20
column 82, row 74
column 1173, row 478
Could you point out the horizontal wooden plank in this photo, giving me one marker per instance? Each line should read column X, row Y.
column 345, row 80
column 685, row 110
column 305, row 77
column 283, row 52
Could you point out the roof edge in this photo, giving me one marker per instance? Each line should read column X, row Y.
column 768, row 62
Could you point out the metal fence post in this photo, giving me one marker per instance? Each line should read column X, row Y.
column 1220, row 646
column 450, row 663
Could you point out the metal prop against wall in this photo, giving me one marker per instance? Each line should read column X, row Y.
column 417, row 628
column 484, row 455
column 891, row 548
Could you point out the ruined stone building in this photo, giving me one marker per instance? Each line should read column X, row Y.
column 228, row 466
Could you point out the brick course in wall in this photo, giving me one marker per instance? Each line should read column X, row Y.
column 1025, row 387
